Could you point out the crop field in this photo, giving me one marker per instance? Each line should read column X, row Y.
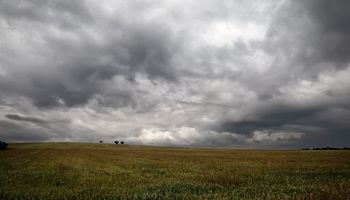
column 106, row 171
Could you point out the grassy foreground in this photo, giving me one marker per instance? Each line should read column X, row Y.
column 106, row 171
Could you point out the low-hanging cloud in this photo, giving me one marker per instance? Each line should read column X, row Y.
column 25, row 119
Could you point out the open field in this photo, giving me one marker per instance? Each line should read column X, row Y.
column 106, row 171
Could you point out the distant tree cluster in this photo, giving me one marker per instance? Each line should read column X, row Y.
column 327, row 148
column 3, row 145
column 117, row 142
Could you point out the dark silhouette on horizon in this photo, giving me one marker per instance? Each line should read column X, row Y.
column 327, row 148
column 3, row 145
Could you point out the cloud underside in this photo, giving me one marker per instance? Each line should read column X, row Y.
column 201, row 73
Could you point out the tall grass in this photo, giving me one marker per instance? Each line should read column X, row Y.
column 103, row 171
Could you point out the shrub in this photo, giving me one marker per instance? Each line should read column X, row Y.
column 3, row 145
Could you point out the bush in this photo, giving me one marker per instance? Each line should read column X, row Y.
column 3, row 145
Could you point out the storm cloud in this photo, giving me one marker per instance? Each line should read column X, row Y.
column 255, row 74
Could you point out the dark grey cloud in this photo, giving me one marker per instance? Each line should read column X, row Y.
column 64, row 14
column 332, row 43
column 25, row 119
column 76, row 66
column 307, row 39
column 322, row 124
column 313, row 33
column 230, row 73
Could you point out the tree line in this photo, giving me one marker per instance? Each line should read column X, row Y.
column 327, row 148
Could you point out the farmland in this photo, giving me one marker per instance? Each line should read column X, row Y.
column 106, row 171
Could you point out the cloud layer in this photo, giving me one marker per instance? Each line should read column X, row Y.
column 196, row 73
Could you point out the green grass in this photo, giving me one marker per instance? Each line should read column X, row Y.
column 106, row 171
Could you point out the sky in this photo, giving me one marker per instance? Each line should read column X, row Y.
column 230, row 73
